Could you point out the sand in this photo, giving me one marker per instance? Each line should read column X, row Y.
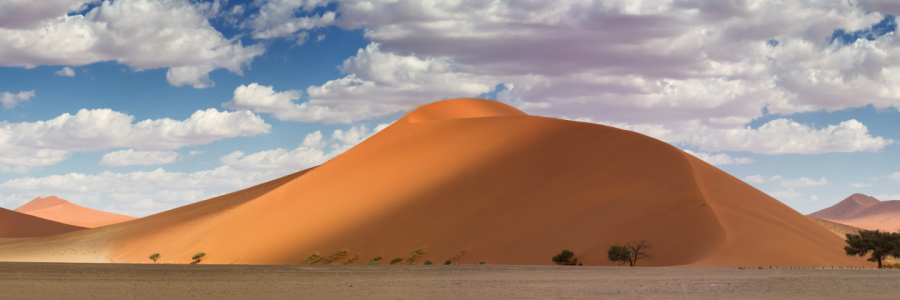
column 865, row 212
column 18, row 225
column 123, row 281
column 480, row 176
column 59, row 210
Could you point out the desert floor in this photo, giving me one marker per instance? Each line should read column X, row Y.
column 128, row 281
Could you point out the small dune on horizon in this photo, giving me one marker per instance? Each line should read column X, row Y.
column 863, row 211
column 59, row 210
column 480, row 176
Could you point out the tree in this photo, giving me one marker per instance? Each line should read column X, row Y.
column 197, row 257
column 882, row 244
column 566, row 258
column 396, row 260
column 374, row 261
column 619, row 254
column 154, row 257
column 630, row 253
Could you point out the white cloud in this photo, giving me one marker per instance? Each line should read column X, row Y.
column 803, row 181
column 755, row 179
column 778, row 136
column 313, row 151
column 29, row 14
column 10, row 100
column 886, row 197
column 130, row 157
column 861, row 185
column 142, row 34
column 379, row 83
column 278, row 18
column 776, row 177
column 32, row 144
column 895, row 176
column 135, row 193
column 720, row 159
column 66, row 71
column 196, row 152
column 788, row 194
column 813, row 198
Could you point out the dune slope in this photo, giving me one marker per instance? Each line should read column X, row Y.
column 18, row 225
column 480, row 176
column 864, row 212
column 59, row 210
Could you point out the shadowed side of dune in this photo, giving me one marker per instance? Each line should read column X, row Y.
column 18, row 225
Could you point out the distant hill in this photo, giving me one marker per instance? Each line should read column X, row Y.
column 865, row 212
column 59, row 210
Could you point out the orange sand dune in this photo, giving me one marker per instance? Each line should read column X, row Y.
column 477, row 175
column 864, row 212
column 18, row 225
column 59, row 210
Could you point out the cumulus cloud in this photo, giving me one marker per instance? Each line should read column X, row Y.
column 861, row 185
column 813, row 198
column 788, row 194
column 136, row 193
column 803, row 181
column 32, row 144
column 29, row 14
column 720, row 159
column 885, row 197
column 130, row 157
column 755, row 179
column 66, row 71
column 314, row 150
column 10, row 100
column 778, row 136
column 278, row 18
column 141, row 34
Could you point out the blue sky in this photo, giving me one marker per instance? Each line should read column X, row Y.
column 138, row 106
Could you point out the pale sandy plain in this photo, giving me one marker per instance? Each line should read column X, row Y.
column 125, row 281
column 865, row 212
column 481, row 176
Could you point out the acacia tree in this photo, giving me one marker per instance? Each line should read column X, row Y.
column 881, row 243
column 630, row 253
column 154, row 257
column 566, row 258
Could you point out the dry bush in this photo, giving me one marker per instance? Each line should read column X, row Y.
column 311, row 259
column 414, row 255
column 351, row 259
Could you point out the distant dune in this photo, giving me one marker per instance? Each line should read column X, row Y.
column 59, row 210
column 481, row 176
column 18, row 225
column 864, row 212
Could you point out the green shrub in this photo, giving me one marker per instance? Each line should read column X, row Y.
column 374, row 261
column 448, row 262
column 352, row 259
column 619, row 254
column 565, row 258
column 154, row 257
column 333, row 257
column 428, row 262
column 482, row 262
column 197, row 257
column 415, row 254
column 311, row 259
column 396, row 260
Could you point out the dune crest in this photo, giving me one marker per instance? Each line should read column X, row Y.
column 865, row 212
column 59, row 210
column 480, row 176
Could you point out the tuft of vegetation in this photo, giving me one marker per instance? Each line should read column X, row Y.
column 311, row 259
column 333, row 257
column 565, row 258
column 374, row 261
column 619, row 254
column 154, row 257
column 351, row 259
column 199, row 256
column 482, row 262
column 414, row 255
column 880, row 243
column 456, row 258
column 630, row 253
column 428, row 262
column 396, row 260
column 448, row 262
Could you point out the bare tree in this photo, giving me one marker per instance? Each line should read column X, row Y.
column 638, row 251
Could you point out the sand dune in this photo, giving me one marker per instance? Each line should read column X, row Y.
column 18, row 225
column 864, row 212
column 478, row 175
column 59, row 210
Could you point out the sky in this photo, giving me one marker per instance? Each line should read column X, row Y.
column 140, row 106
